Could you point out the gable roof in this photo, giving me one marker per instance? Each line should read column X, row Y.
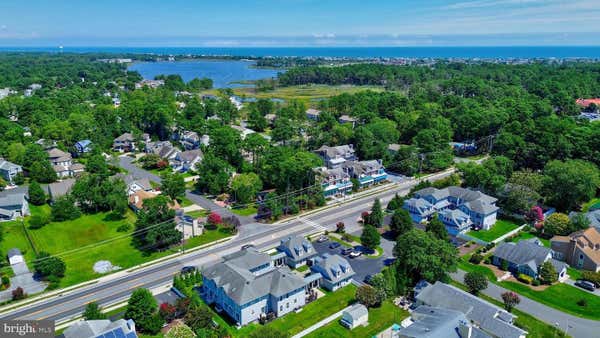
column 101, row 329
column 433, row 322
column 14, row 252
column 12, row 199
column 357, row 311
column 243, row 286
column 125, row 137
column 524, row 252
column 297, row 247
column 5, row 165
column 587, row 241
column 489, row 317
column 58, row 154
column 61, row 188
column 333, row 267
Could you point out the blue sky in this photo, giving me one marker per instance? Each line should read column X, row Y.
column 298, row 22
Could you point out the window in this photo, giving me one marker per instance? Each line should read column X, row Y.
column 280, row 307
column 287, row 305
column 580, row 261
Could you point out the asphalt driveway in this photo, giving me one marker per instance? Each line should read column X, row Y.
column 362, row 265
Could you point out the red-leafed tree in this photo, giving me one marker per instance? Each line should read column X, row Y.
column 214, row 219
column 167, row 311
column 535, row 216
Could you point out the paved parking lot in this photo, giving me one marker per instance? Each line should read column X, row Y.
column 362, row 265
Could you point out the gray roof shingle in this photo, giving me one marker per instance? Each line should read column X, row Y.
column 487, row 316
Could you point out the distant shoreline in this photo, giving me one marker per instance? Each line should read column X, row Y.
column 351, row 53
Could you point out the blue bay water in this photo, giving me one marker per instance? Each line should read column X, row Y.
column 351, row 52
column 223, row 73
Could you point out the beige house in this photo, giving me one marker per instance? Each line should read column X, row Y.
column 580, row 249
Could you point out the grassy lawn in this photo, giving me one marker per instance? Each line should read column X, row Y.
column 302, row 92
column 86, row 240
column 500, row 228
column 527, row 235
column 560, row 296
column 184, row 201
column 535, row 327
column 574, row 273
column 197, row 213
column 303, row 268
column 379, row 319
column 207, row 237
column 312, row 313
column 248, row 211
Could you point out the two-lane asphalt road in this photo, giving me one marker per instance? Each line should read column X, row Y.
column 107, row 292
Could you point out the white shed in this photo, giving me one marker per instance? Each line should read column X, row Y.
column 15, row 256
column 355, row 316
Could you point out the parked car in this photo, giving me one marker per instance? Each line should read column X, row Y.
column 322, row 239
column 389, row 261
column 188, row 269
column 246, row 246
column 368, row 279
column 355, row 254
column 584, row 284
column 334, row 245
column 347, row 251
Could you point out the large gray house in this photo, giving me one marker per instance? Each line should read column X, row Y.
column 9, row 170
column 250, row 284
column 297, row 250
column 335, row 270
column 489, row 318
column 13, row 205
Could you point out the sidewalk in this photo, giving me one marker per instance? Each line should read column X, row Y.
column 321, row 323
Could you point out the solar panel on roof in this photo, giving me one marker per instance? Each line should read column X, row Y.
column 119, row 333
column 131, row 335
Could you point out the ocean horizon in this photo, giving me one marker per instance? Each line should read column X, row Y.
column 475, row 52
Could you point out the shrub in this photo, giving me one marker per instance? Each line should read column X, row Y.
column 591, row 276
column 38, row 221
column 536, row 282
column 476, row 281
column 525, row 278
column 476, row 258
column 124, row 227
column 488, row 260
column 18, row 294
column 340, row 227
column 582, row 302
column 504, row 265
column 347, row 237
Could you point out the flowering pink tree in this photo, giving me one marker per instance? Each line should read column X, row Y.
column 536, row 216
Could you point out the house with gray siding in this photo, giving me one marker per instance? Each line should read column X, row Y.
column 9, row 170
column 298, row 250
column 484, row 316
column 335, row 270
column 526, row 257
column 248, row 285
column 13, row 204
column 458, row 208
column 335, row 157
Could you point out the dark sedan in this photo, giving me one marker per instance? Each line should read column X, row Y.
column 334, row 245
